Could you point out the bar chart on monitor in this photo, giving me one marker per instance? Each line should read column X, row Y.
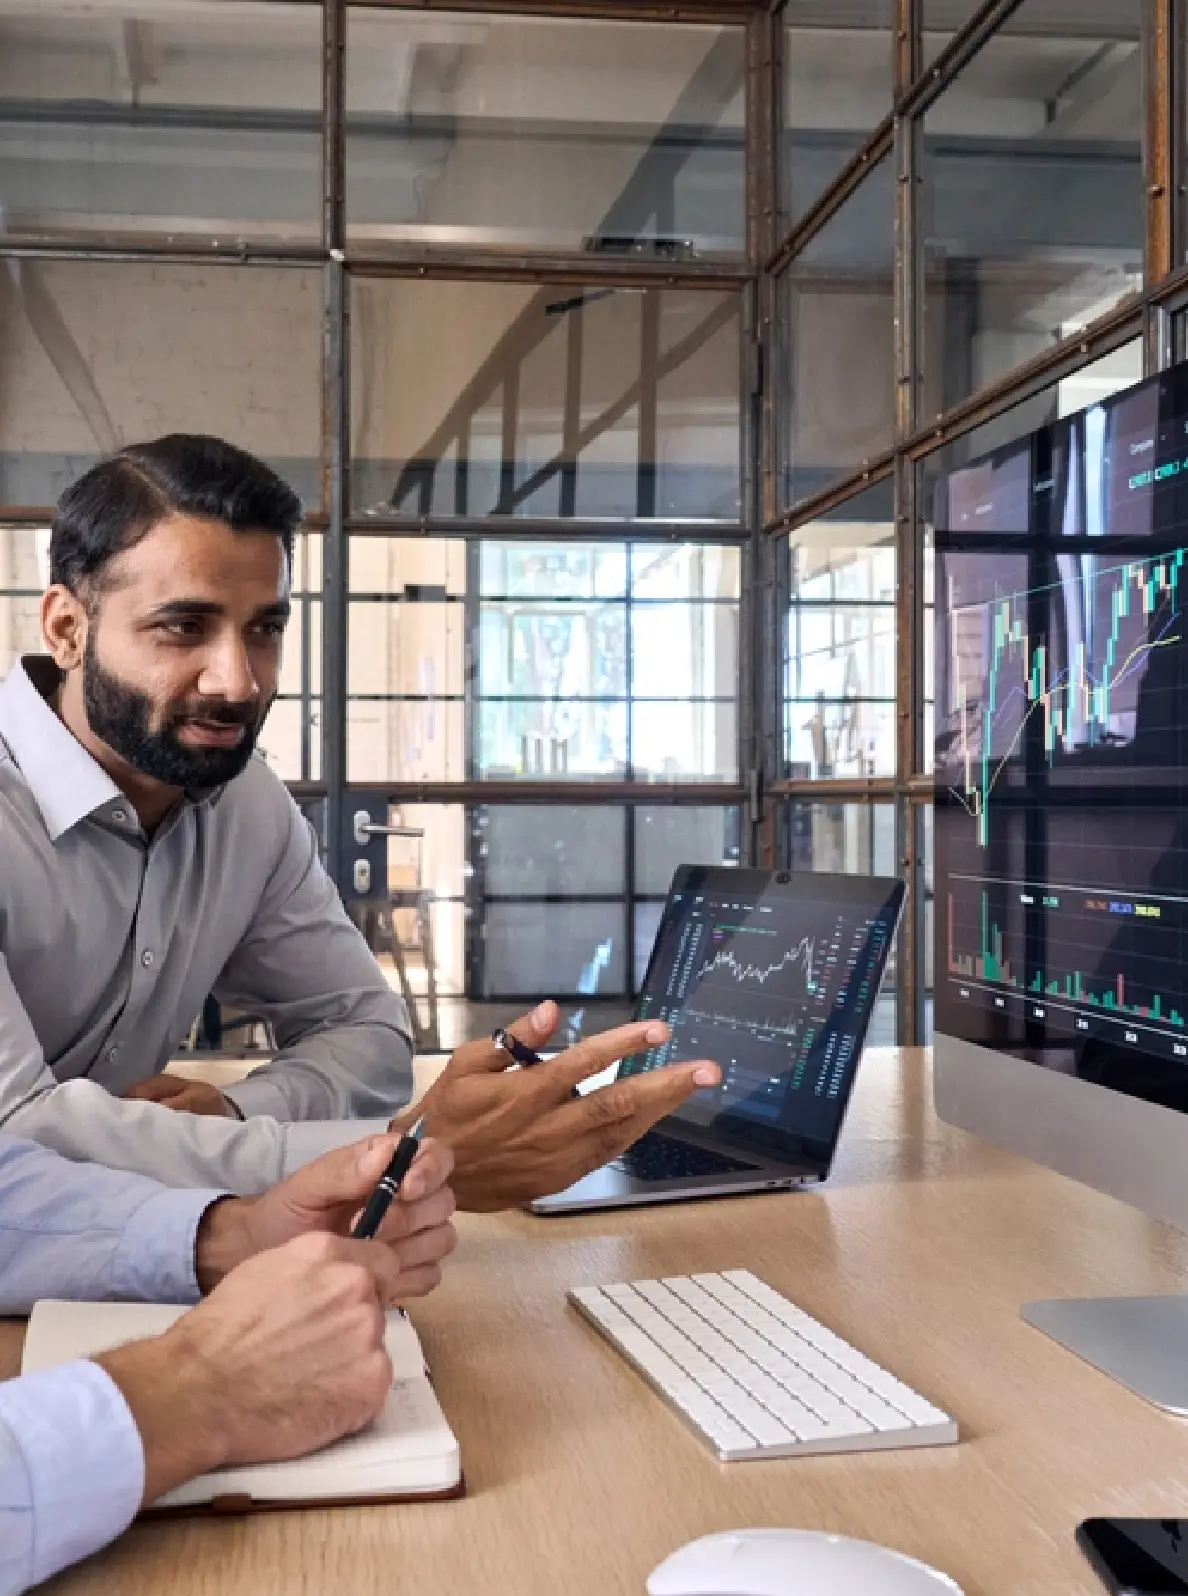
column 1060, row 776
column 1083, row 959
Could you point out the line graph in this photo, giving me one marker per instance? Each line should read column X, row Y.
column 803, row 954
column 784, row 985
column 1077, row 674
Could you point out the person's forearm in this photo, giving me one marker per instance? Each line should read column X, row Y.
column 178, row 1405
column 80, row 1231
column 223, row 1241
column 71, row 1471
column 82, row 1121
column 355, row 1071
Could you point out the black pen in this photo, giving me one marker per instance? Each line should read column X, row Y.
column 520, row 1051
column 380, row 1200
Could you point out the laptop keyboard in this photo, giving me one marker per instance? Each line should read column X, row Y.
column 659, row 1157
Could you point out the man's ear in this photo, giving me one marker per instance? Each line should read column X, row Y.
column 64, row 626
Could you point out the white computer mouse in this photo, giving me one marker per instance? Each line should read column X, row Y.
column 788, row 1562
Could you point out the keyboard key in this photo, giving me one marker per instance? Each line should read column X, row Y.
column 725, row 1432
column 659, row 1157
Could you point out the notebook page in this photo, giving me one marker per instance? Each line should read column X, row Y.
column 59, row 1332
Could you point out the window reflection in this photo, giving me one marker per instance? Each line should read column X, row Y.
column 187, row 118
column 554, row 401
column 1033, row 197
column 839, row 79
column 100, row 353
column 837, row 345
column 586, row 660
column 840, row 655
column 479, row 129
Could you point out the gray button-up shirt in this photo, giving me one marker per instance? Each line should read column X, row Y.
column 110, row 942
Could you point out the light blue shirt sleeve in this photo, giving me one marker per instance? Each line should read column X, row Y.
column 71, row 1460
column 91, row 1234
column 71, row 1471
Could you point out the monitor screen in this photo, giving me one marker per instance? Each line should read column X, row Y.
column 775, row 979
column 1061, row 840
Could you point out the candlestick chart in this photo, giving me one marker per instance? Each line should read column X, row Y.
column 1063, row 662
column 1064, row 904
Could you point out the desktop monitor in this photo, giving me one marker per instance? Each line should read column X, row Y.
column 1061, row 820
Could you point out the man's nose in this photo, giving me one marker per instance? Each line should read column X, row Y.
column 227, row 673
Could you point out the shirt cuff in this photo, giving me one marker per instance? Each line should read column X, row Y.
column 83, row 1459
column 258, row 1095
column 154, row 1261
column 311, row 1138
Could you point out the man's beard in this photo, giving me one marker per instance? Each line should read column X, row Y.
column 121, row 716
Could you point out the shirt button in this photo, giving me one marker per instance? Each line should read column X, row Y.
column 112, row 1052
column 119, row 816
column 146, row 958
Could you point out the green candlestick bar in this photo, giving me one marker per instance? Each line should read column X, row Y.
column 1080, row 692
column 1074, row 989
column 992, row 964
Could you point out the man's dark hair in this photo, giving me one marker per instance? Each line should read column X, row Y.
column 118, row 502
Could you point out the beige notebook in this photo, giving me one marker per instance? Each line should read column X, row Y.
column 408, row 1451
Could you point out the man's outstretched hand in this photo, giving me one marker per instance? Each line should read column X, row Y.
column 517, row 1134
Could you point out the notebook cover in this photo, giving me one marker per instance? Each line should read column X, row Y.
column 237, row 1505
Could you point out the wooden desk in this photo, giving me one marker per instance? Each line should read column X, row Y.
column 919, row 1250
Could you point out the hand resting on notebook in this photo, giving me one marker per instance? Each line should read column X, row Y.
column 285, row 1355
column 287, row 1352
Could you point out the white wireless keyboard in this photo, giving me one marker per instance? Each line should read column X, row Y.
column 753, row 1374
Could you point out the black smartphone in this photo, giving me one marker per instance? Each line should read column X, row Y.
column 1138, row 1556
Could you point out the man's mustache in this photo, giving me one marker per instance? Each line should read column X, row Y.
column 220, row 713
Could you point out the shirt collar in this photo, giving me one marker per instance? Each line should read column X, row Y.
column 66, row 782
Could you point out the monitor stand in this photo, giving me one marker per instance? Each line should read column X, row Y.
column 1142, row 1342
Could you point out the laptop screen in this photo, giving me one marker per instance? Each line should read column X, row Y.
column 775, row 979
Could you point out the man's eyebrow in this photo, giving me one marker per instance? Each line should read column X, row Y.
column 176, row 609
column 185, row 606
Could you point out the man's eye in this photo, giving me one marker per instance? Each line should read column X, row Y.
column 182, row 628
column 272, row 628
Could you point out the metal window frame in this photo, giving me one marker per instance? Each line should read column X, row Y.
column 1148, row 315
column 1156, row 314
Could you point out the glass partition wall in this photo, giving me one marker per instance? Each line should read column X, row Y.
column 614, row 349
column 1002, row 247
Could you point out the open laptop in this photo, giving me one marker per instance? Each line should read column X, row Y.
column 774, row 977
